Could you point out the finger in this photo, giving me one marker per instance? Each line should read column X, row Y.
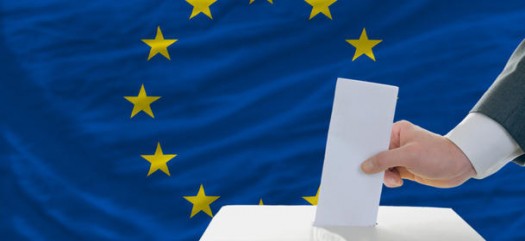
column 398, row 129
column 440, row 183
column 392, row 178
column 406, row 174
column 394, row 137
column 399, row 157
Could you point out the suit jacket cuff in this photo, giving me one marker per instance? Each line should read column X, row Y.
column 486, row 143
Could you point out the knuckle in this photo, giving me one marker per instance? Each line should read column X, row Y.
column 403, row 124
column 379, row 160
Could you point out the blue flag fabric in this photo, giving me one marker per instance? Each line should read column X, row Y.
column 235, row 106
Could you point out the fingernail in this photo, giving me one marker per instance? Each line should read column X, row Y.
column 367, row 166
column 394, row 182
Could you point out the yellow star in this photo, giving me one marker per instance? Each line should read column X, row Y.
column 201, row 6
column 261, row 202
column 312, row 199
column 159, row 161
column 159, row 45
column 363, row 45
column 321, row 6
column 270, row 1
column 201, row 202
column 142, row 102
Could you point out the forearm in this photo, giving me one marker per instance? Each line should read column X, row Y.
column 494, row 132
column 504, row 102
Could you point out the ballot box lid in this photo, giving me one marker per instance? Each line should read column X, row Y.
column 295, row 223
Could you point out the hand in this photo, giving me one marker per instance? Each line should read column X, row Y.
column 421, row 156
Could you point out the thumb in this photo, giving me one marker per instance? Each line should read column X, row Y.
column 386, row 159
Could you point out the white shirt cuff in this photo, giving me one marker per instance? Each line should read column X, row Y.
column 486, row 144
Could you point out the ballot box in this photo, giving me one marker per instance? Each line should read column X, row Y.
column 295, row 223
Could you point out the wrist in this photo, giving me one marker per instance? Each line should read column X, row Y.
column 464, row 169
column 487, row 144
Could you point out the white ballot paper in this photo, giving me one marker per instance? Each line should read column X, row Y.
column 360, row 126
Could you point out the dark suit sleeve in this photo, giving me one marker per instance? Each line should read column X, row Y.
column 504, row 102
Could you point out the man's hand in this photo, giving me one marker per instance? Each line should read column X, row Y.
column 421, row 156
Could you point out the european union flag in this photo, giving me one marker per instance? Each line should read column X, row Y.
column 138, row 120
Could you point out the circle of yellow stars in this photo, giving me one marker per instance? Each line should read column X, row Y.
column 159, row 45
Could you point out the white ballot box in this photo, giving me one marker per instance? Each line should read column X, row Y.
column 295, row 223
